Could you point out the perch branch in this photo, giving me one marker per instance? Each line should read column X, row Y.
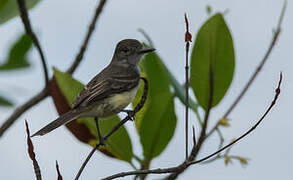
column 121, row 123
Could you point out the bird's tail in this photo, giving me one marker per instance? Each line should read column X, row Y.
column 63, row 119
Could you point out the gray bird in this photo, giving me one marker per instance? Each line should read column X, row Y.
column 110, row 91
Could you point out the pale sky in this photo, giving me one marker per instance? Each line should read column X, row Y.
column 61, row 26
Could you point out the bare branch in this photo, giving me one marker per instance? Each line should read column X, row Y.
column 91, row 29
column 32, row 154
column 137, row 108
column 186, row 164
column 30, row 32
column 277, row 93
column 257, row 70
column 187, row 41
column 153, row 171
column 21, row 109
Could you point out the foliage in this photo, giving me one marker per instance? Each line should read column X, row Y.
column 9, row 9
column 17, row 57
column 213, row 51
column 212, row 64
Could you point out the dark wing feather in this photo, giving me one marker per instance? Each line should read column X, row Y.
column 110, row 81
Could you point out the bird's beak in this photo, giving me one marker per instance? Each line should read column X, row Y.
column 146, row 50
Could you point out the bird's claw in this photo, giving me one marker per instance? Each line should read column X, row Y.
column 130, row 114
column 102, row 141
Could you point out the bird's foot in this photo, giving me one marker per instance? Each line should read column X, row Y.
column 130, row 114
column 102, row 141
column 101, row 138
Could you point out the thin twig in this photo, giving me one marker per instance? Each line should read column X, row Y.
column 32, row 154
column 193, row 136
column 194, row 106
column 59, row 176
column 187, row 41
column 30, row 32
column 277, row 93
column 121, row 123
column 23, row 108
column 221, row 139
column 197, row 147
column 149, row 40
column 187, row 164
column 257, row 70
column 91, row 29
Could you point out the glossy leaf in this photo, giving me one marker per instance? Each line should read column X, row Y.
column 157, row 120
column 214, row 50
column 9, row 8
column 118, row 145
column 5, row 102
column 17, row 57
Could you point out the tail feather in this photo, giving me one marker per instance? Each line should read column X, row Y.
column 63, row 119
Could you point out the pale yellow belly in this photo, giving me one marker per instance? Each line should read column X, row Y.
column 113, row 104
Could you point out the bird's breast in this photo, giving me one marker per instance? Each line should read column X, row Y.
column 112, row 105
column 121, row 100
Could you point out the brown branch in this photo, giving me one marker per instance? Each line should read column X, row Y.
column 30, row 32
column 257, row 70
column 187, row 41
column 153, row 171
column 91, row 29
column 186, row 164
column 32, row 154
column 21, row 109
column 130, row 116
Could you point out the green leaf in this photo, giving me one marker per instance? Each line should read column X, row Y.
column 179, row 90
column 17, row 57
column 157, row 120
column 9, row 9
column 5, row 102
column 119, row 144
column 214, row 50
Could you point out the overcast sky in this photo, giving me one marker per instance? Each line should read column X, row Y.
column 61, row 26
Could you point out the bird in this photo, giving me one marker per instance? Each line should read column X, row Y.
column 110, row 91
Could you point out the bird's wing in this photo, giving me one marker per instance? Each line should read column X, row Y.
column 96, row 87
column 105, row 85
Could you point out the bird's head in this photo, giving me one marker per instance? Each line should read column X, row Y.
column 130, row 51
